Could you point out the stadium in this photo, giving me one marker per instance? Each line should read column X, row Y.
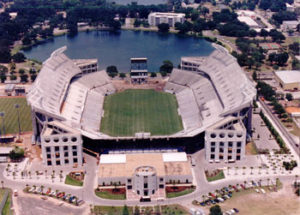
column 206, row 102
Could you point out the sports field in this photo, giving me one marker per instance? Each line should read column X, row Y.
column 132, row 111
column 7, row 105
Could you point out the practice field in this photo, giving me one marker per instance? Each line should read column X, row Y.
column 7, row 105
column 132, row 111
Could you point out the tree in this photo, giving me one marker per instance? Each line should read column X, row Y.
column 21, row 71
column 112, row 71
column 136, row 210
column 125, row 210
column 289, row 96
column 163, row 27
column 166, row 67
column 215, row 210
column 254, row 76
column 33, row 77
column 264, row 33
column 295, row 47
column 18, row 57
column 122, row 75
column 5, row 56
column 2, row 77
column 16, row 154
column 24, row 78
column 153, row 74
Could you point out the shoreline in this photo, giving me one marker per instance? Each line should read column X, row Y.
column 19, row 47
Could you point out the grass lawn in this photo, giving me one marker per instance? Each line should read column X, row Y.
column 104, row 210
column 109, row 195
column 180, row 193
column 72, row 181
column 219, row 176
column 6, row 209
column 132, row 111
column 251, row 149
column 7, row 105
column 173, row 209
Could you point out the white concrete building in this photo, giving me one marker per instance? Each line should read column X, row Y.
column 157, row 18
column 289, row 25
column 288, row 79
column 144, row 173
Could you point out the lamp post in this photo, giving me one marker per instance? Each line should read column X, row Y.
column 17, row 106
column 2, row 114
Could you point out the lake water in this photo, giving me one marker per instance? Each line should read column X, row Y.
column 117, row 49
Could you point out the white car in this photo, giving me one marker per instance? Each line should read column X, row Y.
column 220, row 199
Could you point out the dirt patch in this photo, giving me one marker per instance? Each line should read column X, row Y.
column 153, row 83
column 292, row 109
column 272, row 203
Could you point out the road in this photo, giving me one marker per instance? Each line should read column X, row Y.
column 282, row 129
column 88, row 195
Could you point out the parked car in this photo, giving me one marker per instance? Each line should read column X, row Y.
column 220, row 199
column 236, row 210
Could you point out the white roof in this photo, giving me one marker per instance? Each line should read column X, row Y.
column 248, row 20
column 289, row 76
column 246, row 12
column 112, row 158
column 5, row 150
column 174, row 157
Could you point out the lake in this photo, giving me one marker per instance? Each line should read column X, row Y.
column 117, row 48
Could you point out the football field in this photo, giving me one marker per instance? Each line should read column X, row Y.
column 132, row 111
column 7, row 105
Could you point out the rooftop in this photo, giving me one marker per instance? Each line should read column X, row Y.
column 163, row 164
column 289, row 76
column 248, row 20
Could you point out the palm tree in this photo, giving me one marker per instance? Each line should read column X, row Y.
column 267, row 169
column 296, row 177
column 244, row 168
column 203, row 198
column 2, row 182
column 37, row 174
column 52, row 177
column 60, row 177
column 251, row 170
column 7, row 169
column 228, row 168
column 22, row 175
column 29, row 173
column 259, row 168
column 42, row 189
column 27, row 185
column 268, row 179
column 46, row 173
column 260, row 182
column 14, row 175
column 245, row 182
column 236, row 168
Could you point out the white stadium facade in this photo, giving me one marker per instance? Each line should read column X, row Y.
column 214, row 101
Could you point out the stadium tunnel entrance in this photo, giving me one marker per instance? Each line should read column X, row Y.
column 186, row 144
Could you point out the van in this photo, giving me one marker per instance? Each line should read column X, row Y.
column 193, row 162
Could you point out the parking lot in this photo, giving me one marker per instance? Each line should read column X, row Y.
column 27, row 204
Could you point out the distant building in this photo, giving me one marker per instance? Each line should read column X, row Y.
column 138, row 70
column 289, row 7
column 289, row 25
column 249, row 21
column 157, row 18
column 144, row 173
column 289, row 79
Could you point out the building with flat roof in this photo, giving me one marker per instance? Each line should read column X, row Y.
column 249, row 21
column 144, row 173
column 288, row 79
column 157, row 18
column 289, row 25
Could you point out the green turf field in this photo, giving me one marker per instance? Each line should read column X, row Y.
column 7, row 105
column 132, row 111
